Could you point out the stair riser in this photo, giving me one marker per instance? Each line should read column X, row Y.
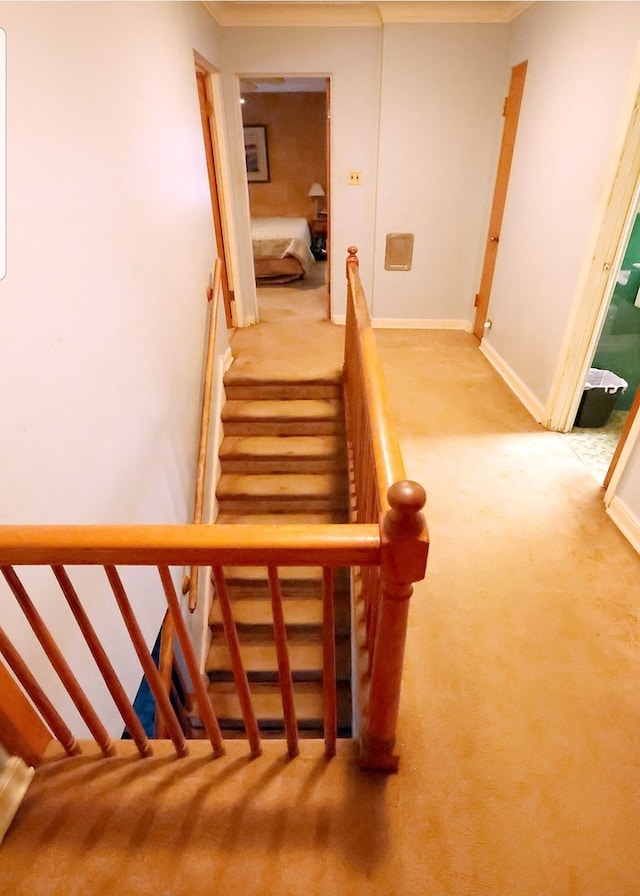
column 278, row 506
column 282, row 488
column 282, row 392
column 276, row 465
column 223, row 675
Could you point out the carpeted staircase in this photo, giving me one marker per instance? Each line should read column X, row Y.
column 283, row 459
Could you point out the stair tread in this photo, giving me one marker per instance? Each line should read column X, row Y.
column 267, row 700
column 257, row 611
column 283, row 409
column 251, row 583
column 261, row 657
column 287, row 486
column 322, row 446
column 259, row 573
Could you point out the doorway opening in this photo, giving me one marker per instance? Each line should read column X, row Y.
column 286, row 130
column 595, row 438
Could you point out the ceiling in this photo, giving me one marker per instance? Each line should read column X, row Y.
column 336, row 13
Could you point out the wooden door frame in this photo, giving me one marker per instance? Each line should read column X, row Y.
column 511, row 112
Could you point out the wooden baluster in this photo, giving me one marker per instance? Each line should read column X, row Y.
column 330, row 701
column 103, row 663
column 161, row 697
column 371, row 617
column 40, row 700
column 284, row 666
column 165, row 669
column 57, row 660
column 204, row 704
column 237, row 666
column 404, row 555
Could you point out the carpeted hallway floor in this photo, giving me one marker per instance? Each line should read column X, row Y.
column 520, row 719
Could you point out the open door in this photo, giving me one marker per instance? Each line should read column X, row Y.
column 511, row 114
column 206, row 111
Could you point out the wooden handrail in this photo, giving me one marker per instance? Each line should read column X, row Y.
column 381, row 493
column 203, row 447
column 370, row 381
column 207, row 545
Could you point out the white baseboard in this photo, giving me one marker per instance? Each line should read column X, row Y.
column 528, row 399
column 382, row 323
column 626, row 521
column 15, row 777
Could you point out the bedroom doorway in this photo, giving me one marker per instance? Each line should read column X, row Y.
column 286, row 130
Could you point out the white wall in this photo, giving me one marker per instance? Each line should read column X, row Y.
column 408, row 111
column 103, row 308
column 440, row 122
column 351, row 57
column 580, row 57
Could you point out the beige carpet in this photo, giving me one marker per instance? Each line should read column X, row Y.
column 520, row 719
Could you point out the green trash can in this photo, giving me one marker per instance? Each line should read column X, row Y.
column 601, row 392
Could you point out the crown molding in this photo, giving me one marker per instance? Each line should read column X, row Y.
column 336, row 13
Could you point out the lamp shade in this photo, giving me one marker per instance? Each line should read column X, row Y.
column 315, row 190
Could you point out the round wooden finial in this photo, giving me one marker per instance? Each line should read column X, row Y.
column 407, row 496
column 406, row 499
column 353, row 254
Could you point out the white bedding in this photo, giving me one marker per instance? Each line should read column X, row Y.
column 276, row 238
column 281, row 228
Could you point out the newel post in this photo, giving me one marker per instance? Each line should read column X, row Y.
column 405, row 544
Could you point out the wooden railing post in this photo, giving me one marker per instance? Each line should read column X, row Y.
column 404, row 547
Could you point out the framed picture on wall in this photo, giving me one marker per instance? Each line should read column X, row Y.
column 256, row 153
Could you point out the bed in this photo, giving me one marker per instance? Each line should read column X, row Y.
column 281, row 250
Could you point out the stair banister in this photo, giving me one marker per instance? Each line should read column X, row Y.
column 382, row 492
column 386, row 540
column 387, row 457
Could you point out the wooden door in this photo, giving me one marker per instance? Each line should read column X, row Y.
column 206, row 110
column 511, row 114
